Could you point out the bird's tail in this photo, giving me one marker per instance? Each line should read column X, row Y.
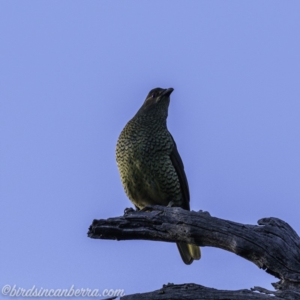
column 189, row 252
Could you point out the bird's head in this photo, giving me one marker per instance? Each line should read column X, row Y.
column 156, row 102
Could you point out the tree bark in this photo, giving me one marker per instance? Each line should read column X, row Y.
column 272, row 245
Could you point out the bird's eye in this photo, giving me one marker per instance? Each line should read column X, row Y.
column 153, row 95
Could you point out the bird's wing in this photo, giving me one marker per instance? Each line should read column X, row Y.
column 178, row 165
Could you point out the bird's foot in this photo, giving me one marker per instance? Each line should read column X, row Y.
column 147, row 208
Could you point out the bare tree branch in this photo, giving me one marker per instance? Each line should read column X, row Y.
column 199, row 292
column 272, row 245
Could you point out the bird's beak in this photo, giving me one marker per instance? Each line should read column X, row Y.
column 167, row 92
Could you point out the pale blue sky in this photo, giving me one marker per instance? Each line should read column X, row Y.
column 72, row 73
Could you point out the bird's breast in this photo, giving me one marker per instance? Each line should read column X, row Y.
column 147, row 173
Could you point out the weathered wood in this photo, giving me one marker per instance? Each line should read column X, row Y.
column 198, row 292
column 272, row 245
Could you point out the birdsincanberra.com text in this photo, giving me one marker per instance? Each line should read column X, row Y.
column 15, row 291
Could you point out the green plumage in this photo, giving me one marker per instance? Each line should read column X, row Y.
column 150, row 166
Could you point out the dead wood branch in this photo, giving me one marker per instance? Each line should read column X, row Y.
column 272, row 245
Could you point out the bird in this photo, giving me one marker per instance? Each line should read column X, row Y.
column 150, row 167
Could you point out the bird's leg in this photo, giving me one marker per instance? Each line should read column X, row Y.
column 171, row 204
